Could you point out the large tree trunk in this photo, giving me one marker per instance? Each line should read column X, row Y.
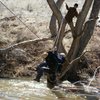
column 72, row 54
column 81, row 41
column 83, row 32
column 74, row 49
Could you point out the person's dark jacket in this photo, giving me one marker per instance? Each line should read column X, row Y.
column 52, row 60
column 42, row 67
column 72, row 12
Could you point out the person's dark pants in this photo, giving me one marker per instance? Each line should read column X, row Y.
column 39, row 74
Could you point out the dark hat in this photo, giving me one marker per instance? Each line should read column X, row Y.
column 75, row 5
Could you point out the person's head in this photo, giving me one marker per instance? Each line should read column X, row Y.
column 75, row 5
column 44, row 54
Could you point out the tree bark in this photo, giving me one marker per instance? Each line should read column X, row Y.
column 80, row 42
column 61, row 36
column 83, row 34
column 88, row 32
column 72, row 54
column 55, row 10
column 82, row 16
column 53, row 26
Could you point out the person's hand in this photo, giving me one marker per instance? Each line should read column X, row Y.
column 67, row 6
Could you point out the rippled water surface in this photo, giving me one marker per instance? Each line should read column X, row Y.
column 27, row 89
column 24, row 90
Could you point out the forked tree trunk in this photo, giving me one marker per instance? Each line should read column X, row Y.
column 72, row 54
column 53, row 21
column 83, row 32
column 81, row 41
column 55, row 10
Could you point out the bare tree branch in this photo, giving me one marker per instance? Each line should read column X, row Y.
column 61, row 35
column 55, row 10
column 71, row 63
column 85, row 26
column 53, row 26
column 22, row 43
column 86, row 23
column 82, row 16
column 73, row 52
column 72, row 27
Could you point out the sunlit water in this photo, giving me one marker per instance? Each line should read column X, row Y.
column 14, row 89
column 27, row 89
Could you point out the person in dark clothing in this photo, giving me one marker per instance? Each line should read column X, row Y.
column 51, row 65
column 61, row 58
column 41, row 68
column 54, row 61
column 50, row 62
column 72, row 12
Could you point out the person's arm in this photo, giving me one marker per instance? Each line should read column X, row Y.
column 67, row 7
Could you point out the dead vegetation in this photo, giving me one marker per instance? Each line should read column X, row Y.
column 19, row 55
column 21, row 58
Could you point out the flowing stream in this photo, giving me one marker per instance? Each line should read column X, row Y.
column 27, row 89
column 21, row 89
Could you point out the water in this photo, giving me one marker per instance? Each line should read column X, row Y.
column 27, row 89
column 15, row 89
